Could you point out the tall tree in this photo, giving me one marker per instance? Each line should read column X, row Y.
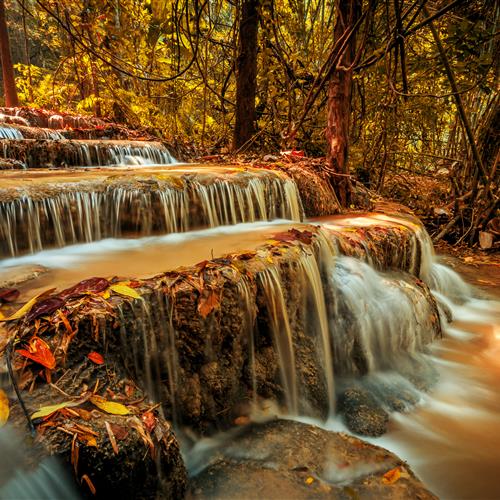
column 246, row 73
column 339, row 100
column 9, row 83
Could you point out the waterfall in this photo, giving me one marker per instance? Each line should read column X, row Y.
column 10, row 133
column 282, row 334
column 259, row 198
column 30, row 223
column 376, row 317
column 49, row 148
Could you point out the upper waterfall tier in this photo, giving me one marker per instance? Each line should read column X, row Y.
column 40, row 209
column 82, row 153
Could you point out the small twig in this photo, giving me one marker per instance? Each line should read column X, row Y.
column 8, row 354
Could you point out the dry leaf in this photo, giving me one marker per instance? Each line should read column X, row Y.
column 96, row 358
column 45, row 411
column 27, row 307
column 310, row 480
column 4, row 408
column 109, row 406
column 125, row 290
column 391, row 476
column 208, row 302
column 39, row 352
column 149, row 420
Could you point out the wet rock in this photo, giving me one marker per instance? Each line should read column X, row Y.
column 270, row 158
column 285, row 459
column 18, row 275
column 362, row 413
column 420, row 371
column 393, row 392
column 10, row 163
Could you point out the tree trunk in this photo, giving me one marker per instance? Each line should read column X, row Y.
column 246, row 73
column 339, row 103
column 9, row 83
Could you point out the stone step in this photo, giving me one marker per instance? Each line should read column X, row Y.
column 34, row 153
column 41, row 209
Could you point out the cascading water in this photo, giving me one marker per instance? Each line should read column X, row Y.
column 376, row 317
column 10, row 133
column 32, row 223
column 350, row 319
column 21, row 479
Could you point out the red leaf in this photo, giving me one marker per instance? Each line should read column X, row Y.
column 47, row 306
column 8, row 294
column 91, row 285
column 96, row 358
column 39, row 352
column 149, row 420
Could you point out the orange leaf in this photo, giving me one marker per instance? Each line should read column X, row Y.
column 96, row 358
column 208, row 302
column 149, row 420
column 39, row 352
column 391, row 476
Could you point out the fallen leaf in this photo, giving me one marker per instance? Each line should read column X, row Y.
column 91, row 285
column 208, row 302
column 149, row 420
column 310, row 480
column 4, row 408
column 45, row 411
column 47, row 306
column 8, row 294
column 391, row 476
column 39, row 352
column 119, row 431
column 125, row 290
column 27, row 307
column 109, row 406
column 96, row 358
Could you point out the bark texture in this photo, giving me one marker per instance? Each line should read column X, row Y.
column 339, row 102
column 9, row 84
column 246, row 73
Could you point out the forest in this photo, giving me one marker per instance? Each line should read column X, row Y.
column 249, row 248
column 412, row 91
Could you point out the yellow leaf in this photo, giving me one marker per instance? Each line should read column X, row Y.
column 27, row 307
column 4, row 408
column 310, row 480
column 125, row 290
column 106, row 294
column 45, row 411
column 391, row 476
column 109, row 406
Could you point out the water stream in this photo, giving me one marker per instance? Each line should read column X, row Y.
column 354, row 316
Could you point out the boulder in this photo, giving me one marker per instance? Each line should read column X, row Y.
column 286, row 459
